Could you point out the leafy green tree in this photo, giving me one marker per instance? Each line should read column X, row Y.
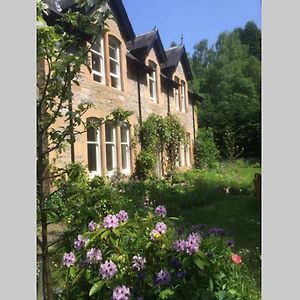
column 251, row 36
column 61, row 52
column 207, row 153
column 229, row 77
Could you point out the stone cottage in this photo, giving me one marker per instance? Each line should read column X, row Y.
column 135, row 73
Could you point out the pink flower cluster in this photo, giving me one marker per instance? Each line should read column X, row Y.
column 190, row 245
column 121, row 293
column 94, row 255
column 160, row 228
column 160, row 211
column 113, row 221
column 69, row 259
column 108, row 269
column 80, row 242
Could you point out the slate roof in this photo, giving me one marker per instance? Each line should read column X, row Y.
column 142, row 44
column 137, row 45
column 117, row 7
column 174, row 56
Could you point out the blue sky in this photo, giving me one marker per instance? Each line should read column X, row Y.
column 194, row 19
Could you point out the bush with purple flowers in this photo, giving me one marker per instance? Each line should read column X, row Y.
column 142, row 257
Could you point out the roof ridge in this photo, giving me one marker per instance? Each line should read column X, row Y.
column 151, row 31
column 178, row 46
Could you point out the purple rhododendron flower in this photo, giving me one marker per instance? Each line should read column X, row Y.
column 138, row 262
column 216, row 231
column 111, row 222
column 192, row 243
column 108, row 269
column 121, row 293
column 163, row 277
column 154, row 234
column 80, row 242
column 122, row 216
column 93, row 226
column 69, row 259
column 94, row 255
column 160, row 211
column 161, row 227
column 230, row 243
column 179, row 245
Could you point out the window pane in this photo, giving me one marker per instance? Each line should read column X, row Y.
column 124, row 132
column 96, row 66
column 113, row 53
column 109, row 157
column 114, row 82
column 92, row 157
column 113, row 67
column 97, row 78
column 152, row 89
column 125, row 154
column 109, row 135
column 91, row 134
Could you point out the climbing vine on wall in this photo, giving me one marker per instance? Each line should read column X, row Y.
column 160, row 140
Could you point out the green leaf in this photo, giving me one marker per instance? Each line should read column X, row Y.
column 78, row 275
column 199, row 262
column 96, row 287
column 166, row 293
column 72, row 271
column 105, row 234
column 148, row 245
column 116, row 232
column 211, row 285
column 222, row 295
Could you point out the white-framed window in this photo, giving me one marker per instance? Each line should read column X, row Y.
column 114, row 62
column 182, row 155
column 93, row 149
column 176, row 94
column 152, row 82
column 125, row 148
column 110, row 147
column 183, row 97
column 97, row 52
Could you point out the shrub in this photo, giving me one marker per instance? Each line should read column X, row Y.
column 207, row 153
column 143, row 256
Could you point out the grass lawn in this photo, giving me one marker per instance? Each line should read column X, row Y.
column 237, row 214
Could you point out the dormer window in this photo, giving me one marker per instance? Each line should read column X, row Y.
column 98, row 70
column 152, row 82
column 114, row 62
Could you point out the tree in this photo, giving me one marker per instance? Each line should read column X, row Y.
column 61, row 52
column 229, row 78
column 251, row 36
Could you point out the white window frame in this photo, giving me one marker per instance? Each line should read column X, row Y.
column 114, row 151
column 183, row 97
column 101, row 57
column 114, row 44
column 153, row 82
column 127, row 146
column 176, row 94
column 98, row 158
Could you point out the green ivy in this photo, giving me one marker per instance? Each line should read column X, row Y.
column 159, row 137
